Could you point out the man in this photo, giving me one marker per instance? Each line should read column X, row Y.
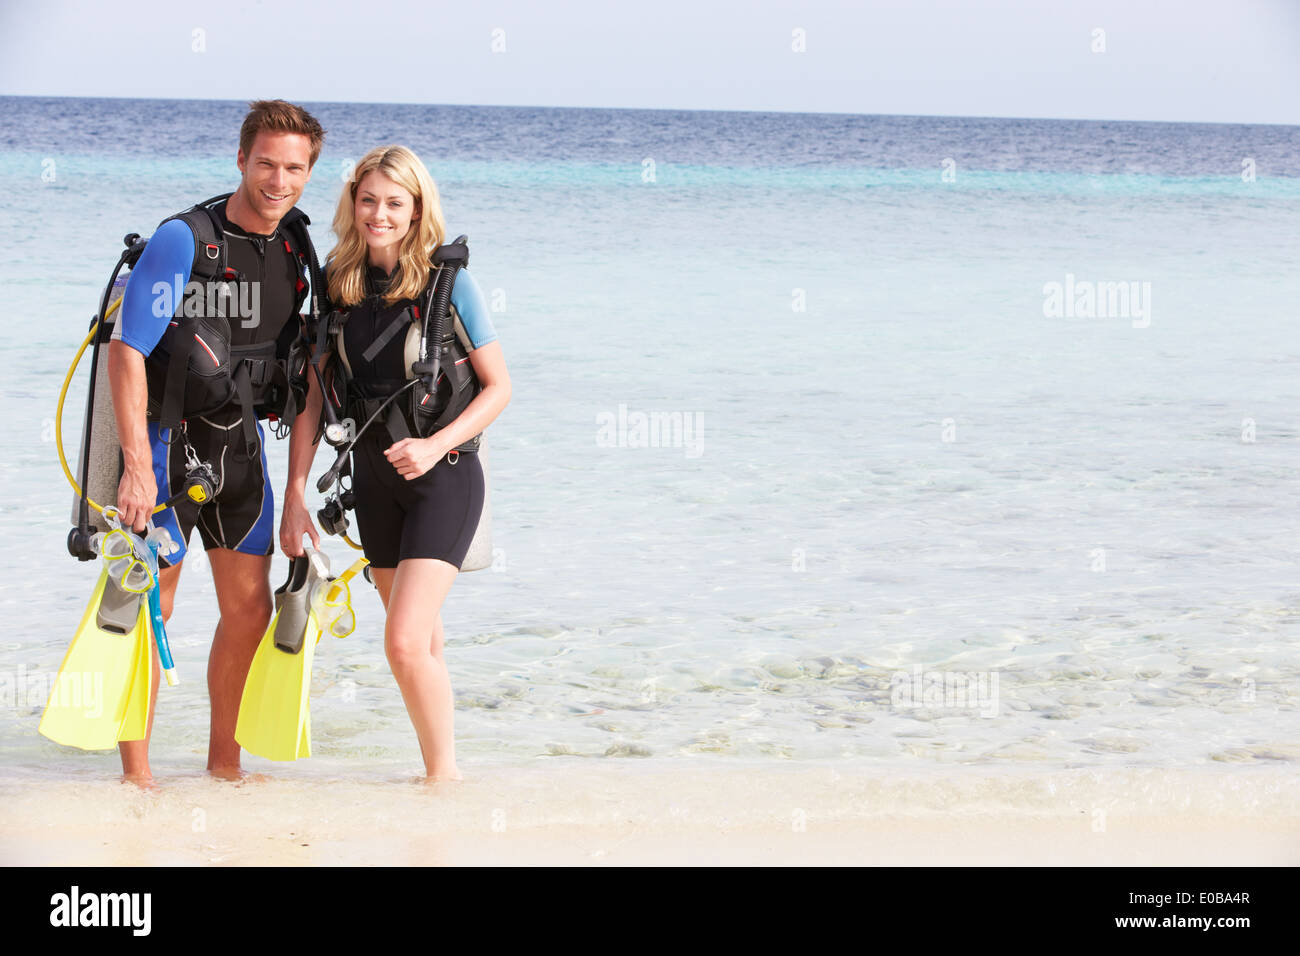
column 254, row 258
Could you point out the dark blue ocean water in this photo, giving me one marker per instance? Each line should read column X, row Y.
column 152, row 128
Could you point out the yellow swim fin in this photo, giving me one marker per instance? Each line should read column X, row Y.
column 135, row 721
column 102, row 691
column 273, row 717
column 275, row 712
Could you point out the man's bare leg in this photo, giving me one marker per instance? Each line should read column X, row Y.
column 244, row 599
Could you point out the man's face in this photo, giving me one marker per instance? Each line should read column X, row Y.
column 275, row 172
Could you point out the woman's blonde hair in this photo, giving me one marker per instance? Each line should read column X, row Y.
column 346, row 262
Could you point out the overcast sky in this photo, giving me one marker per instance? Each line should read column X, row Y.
column 1192, row 60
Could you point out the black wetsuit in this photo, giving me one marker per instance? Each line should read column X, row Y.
column 241, row 514
column 436, row 514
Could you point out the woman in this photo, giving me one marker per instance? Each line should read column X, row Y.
column 418, row 500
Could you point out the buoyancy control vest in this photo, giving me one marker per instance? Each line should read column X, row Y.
column 195, row 369
column 439, row 381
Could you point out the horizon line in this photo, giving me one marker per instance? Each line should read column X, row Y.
column 654, row 109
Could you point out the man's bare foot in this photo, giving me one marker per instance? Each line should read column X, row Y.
column 144, row 780
column 227, row 773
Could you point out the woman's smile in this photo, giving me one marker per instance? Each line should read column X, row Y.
column 384, row 212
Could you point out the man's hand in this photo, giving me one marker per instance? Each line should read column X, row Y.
column 136, row 494
column 295, row 522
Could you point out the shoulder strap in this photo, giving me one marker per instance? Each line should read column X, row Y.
column 209, row 241
column 402, row 321
column 295, row 223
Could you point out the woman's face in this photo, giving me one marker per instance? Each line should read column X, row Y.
column 383, row 212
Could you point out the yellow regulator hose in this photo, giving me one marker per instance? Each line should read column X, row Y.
column 58, row 413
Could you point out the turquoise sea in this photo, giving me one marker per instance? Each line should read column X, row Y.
column 893, row 514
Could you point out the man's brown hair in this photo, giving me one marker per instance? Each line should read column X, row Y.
column 277, row 116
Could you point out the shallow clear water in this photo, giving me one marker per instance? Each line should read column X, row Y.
column 898, row 460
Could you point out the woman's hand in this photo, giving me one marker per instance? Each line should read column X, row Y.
column 412, row 457
column 295, row 522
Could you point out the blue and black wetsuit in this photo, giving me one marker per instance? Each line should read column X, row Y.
column 435, row 515
column 270, row 289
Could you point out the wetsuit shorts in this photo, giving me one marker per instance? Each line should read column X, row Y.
column 433, row 516
column 241, row 516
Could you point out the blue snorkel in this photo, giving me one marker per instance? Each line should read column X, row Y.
column 156, row 618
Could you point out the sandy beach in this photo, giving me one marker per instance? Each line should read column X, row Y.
column 1005, row 840
column 577, row 816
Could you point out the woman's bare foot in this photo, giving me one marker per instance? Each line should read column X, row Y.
column 248, row 776
column 444, row 776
